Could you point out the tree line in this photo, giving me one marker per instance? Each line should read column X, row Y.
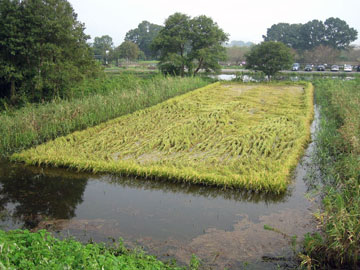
column 44, row 51
column 333, row 32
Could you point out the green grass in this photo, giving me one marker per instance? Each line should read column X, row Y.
column 232, row 135
column 23, row 250
column 338, row 155
column 92, row 103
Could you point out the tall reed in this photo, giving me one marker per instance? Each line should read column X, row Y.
column 338, row 155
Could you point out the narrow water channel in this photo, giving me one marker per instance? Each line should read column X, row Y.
column 224, row 228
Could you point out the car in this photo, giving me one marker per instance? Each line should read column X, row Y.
column 335, row 68
column 347, row 68
column 320, row 68
column 308, row 68
column 295, row 67
column 358, row 68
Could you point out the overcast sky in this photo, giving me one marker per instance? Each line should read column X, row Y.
column 245, row 20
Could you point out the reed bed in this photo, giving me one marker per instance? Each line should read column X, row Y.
column 92, row 103
column 230, row 135
column 338, row 157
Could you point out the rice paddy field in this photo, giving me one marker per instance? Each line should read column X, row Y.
column 231, row 135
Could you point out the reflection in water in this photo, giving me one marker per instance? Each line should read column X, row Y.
column 198, row 190
column 28, row 198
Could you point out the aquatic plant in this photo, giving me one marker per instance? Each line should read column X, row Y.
column 232, row 135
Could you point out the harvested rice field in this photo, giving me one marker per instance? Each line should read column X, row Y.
column 247, row 136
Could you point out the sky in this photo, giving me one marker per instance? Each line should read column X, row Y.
column 245, row 20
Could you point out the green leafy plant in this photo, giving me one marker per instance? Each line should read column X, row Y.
column 24, row 250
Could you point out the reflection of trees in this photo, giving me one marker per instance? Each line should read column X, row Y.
column 197, row 190
column 38, row 196
column 32, row 194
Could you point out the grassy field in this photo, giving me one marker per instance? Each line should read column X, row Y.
column 24, row 250
column 93, row 103
column 233, row 135
column 338, row 156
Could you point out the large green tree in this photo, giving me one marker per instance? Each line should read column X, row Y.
column 269, row 57
column 338, row 34
column 312, row 35
column 143, row 36
column 190, row 44
column 43, row 49
column 334, row 32
column 289, row 34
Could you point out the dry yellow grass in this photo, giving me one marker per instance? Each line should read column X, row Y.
column 233, row 135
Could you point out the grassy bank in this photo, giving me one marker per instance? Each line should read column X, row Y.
column 93, row 103
column 338, row 156
column 23, row 250
column 234, row 135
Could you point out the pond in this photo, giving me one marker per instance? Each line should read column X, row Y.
column 224, row 228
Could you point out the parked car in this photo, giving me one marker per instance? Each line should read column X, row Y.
column 347, row 68
column 308, row 68
column 358, row 68
column 335, row 68
column 320, row 68
column 295, row 67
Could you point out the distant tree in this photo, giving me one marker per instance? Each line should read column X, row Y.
column 269, row 57
column 102, row 47
column 321, row 55
column 239, row 43
column 350, row 55
column 289, row 34
column 333, row 32
column 43, row 49
column 191, row 44
column 143, row 36
column 312, row 35
column 236, row 54
column 338, row 34
column 128, row 50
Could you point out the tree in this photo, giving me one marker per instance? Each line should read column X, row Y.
column 43, row 49
column 269, row 57
column 237, row 54
column 333, row 32
column 191, row 44
column 338, row 34
column 312, row 35
column 321, row 55
column 289, row 34
column 143, row 36
column 206, row 42
column 128, row 50
column 102, row 47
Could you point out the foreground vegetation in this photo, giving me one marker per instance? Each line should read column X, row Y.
column 338, row 156
column 229, row 135
column 23, row 250
column 89, row 104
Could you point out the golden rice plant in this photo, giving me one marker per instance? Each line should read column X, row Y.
column 232, row 135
